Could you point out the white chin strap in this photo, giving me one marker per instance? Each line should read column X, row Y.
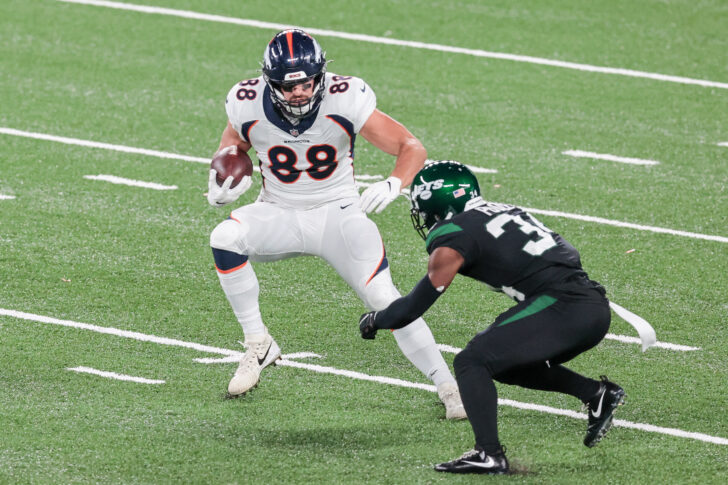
column 644, row 329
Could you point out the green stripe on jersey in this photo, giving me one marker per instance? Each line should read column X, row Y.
column 538, row 304
column 442, row 230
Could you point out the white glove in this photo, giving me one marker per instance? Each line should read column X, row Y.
column 219, row 196
column 379, row 195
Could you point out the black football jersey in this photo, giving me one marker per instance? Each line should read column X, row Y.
column 507, row 249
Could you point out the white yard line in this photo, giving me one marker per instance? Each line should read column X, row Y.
column 723, row 144
column 134, row 183
column 114, row 375
column 401, row 43
column 640, row 227
column 104, row 146
column 608, row 157
column 352, row 374
column 6, row 197
column 154, row 153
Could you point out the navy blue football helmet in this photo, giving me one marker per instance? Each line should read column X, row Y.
column 293, row 57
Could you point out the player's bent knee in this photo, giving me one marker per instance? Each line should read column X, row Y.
column 379, row 293
column 229, row 235
column 469, row 358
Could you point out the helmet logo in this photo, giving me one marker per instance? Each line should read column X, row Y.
column 424, row 190
column 294, row 75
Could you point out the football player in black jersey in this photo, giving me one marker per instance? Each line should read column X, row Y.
column 559, row 314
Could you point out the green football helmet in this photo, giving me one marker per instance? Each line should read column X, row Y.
column 439, row 191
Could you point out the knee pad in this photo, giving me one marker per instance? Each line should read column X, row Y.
column 230, row 235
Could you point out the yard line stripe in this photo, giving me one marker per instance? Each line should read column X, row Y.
column 105, row 146
column 599, row 220
column 114, row 375
column 611, row 158
column 115, row 331
column 629, row 225
column 507, row 402
column 134, row 183
column 6, row 197
column 665, row 345
column 352, row 374
column 723, row 144
column 402, row 43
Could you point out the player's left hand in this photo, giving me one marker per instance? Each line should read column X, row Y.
column 378, row 196
column 366, row 326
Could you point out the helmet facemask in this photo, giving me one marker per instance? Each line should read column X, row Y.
column 297, row 111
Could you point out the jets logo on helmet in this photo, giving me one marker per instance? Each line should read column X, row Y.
column 293, row 57
column 439, row 191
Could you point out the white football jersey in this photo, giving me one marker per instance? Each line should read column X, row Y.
column 309, row 164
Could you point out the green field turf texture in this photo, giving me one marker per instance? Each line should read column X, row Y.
column 139, row 260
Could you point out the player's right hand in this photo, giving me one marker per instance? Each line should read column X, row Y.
column 218, row 196
column 366, row 326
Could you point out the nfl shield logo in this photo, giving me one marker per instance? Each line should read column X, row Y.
column 294, row 132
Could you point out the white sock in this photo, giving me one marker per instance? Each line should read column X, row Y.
column 418, row 345
column 241, row 289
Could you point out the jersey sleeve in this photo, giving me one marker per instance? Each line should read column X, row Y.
column 353, row 97
column 366, row 103
column 241, row 101
column 453, row 236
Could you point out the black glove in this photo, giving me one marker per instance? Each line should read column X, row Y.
column 366, row 326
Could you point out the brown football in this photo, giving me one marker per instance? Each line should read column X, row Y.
column 231, row 161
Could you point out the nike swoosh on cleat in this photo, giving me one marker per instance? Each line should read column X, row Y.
column 262, row 359
column 489, row 463
column 363, row 89
column 344, row 206
column 598, row 412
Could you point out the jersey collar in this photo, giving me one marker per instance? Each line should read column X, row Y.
column 272, row 114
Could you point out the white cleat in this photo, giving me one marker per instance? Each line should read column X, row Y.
column 260, row 353
column 449, row 394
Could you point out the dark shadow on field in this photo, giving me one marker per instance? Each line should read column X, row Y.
column 334, row 438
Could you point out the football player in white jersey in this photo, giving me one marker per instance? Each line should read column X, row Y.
column 302, row 122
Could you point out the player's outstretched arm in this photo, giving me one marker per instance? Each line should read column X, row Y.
column 391, row 137
column 441, row 270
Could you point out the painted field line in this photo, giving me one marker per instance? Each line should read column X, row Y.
column 6, row 197
column 236, row 358
column 104, row 146
column 124, row 181
column 118, row 332
column 401, row 43
column 639, row 227
column 114, row 375
column 351, row 374
column 723, row 144
column 508, row 402
column 608, row 157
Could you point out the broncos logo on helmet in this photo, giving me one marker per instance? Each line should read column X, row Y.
column 293, row 57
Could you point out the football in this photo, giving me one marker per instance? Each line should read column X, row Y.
column 231, row 161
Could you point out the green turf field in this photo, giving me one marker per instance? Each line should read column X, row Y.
column 82, row 261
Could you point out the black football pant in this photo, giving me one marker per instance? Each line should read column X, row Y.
column 526, row 346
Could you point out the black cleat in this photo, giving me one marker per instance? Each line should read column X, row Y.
column 476, row 461
column 601, row 411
